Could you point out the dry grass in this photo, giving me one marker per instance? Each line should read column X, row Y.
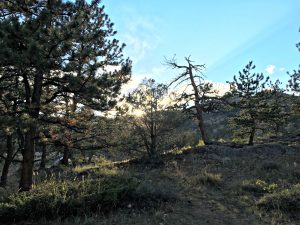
column 200, row 185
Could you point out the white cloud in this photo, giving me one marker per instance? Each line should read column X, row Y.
column 132, row 84
column 141, row 36
column 137, row 78
column 219, row 89
column 281, row 69
column 270, row 69
column 136, row 47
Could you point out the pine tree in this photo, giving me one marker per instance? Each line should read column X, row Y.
column 59, row 50
column 276, row 110
column 10, row 123
column 294, row 82
column 247, row 92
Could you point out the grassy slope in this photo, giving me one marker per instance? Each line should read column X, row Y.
column 207, row 185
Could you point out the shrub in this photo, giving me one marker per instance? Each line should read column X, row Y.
column 67, row 198
column 54, row 199
column 259, row 186
column 287, row 200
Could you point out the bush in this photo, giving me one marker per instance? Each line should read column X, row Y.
column 66, row 198
column 259, row 187
column 287, row 200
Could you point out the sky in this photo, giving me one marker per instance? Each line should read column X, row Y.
column 223, row 35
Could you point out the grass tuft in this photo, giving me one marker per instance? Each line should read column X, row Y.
column 287, row 200
column 258, row 187
column 206, row 178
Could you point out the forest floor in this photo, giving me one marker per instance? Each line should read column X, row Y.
column 206, row 185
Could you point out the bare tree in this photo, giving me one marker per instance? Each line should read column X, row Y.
column 197, row 95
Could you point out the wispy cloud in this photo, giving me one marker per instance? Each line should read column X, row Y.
column 141, row 35
column 270, row 69
column 281, row 69
column 137, row 78
column 218, row 88
column 132, row 84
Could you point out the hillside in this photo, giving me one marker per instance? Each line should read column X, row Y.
column 117, row 112
column 205, row 185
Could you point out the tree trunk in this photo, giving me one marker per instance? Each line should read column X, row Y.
column 8, row 160
column 30, row 135
column 251, row 138
column 72, row 109
column 153, row 130
column 65, row 159
column 28, row 159
column 202, row 129
column 43, row 159
column 198, row 107
column 153, row 152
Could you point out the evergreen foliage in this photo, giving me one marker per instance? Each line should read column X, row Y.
column 258, row 107
column 59, row 51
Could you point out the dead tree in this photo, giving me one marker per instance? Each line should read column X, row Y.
column 195, row 95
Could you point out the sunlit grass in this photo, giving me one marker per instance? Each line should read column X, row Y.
column 178, row 151
column 259, row 186
column 54, row 198
column 286, row 200
column 80, row 169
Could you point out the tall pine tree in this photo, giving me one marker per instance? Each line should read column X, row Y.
column 59, row 50
column 247, row 92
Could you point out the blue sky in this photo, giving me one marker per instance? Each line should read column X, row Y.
column 224, row 35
